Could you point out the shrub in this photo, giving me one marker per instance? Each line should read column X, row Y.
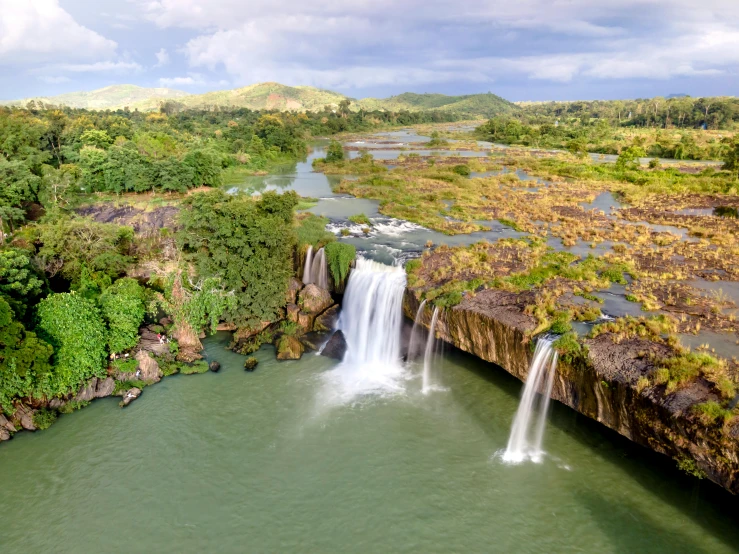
column 462, row 170
column 360, row 219
column 334, row 153
column 43, row 418
column 339, row 257
column 123, row 309
column 712, row 412
column 201, row 366
column 74, row 327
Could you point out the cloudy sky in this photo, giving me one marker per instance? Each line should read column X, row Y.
column 519, row 49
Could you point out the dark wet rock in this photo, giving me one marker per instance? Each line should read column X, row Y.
column 289, row 348
column 105, row 387
column 129, row 396
column 251, row 363
column 314, row 300
column 214, row 366
column 335, row 347
column 328, row 319
column 142, row 221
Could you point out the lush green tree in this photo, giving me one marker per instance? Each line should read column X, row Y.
column 75, row 328
column 248, row 244
column 96, row 139
column 18, row 186
column 334, row 153
column 93, row 162
column 122, row 306
column 629, row 158
column 19, row 283
column 172, row 175
column 24, row 362
column 206, row 166
column 67, row 246
column 731, row 155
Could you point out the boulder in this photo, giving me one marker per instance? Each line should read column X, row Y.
column 335, row 347
column 5, row 424
column 328, row 319
column 56, row 403
column 87, row 393
column 314, row 300
column 148, row 368
column 289, row 348
column 165, row 322
column 4, row 434
column 24, row 417
column 105, row 387
column 214, row 366
column 305, row 321
column 292, row 312
column 245, row 333
column 293, row 289
column 129, row 396
column 251, row 363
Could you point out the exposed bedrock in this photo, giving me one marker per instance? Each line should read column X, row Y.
column 600, row 384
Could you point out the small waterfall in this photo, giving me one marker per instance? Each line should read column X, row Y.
column 307, row 268
column 521, row 445
column 319, row 270
column 371, row 320
column 429, row 356
column 413, row 344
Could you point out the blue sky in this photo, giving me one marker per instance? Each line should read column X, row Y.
column 521, row 50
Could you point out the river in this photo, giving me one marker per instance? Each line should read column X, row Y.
column 268, row 462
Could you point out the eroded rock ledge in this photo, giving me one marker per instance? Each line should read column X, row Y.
column 600, row 383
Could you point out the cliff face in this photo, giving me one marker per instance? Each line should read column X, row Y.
column 600, row 384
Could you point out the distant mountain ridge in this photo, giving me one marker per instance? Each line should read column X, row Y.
column 271, row 96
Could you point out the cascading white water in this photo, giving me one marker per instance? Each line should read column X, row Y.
column 371, row 320
column 413, row 344
column 521, row 444
column 308, row 267
column 319, row 270
column 429, row 355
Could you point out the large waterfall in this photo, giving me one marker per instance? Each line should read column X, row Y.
column 371, row 320
column 527, row 433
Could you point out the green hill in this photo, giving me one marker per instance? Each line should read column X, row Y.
column 273, row 96
column 112, row 97
column 473, row 105
column 266, row 96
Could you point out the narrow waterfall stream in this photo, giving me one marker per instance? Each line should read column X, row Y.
column 308, row 267
column 371, row 320
column 527, row 433
column 319, row 270
column 416, row 332
column 430, row 354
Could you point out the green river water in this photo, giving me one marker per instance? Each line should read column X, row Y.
column 266, row 462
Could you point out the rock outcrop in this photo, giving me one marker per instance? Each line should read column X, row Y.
column 129, row 396
column 148, row 369
column 600, row 383
column 289, row 348
column 328, row 319
column 314, row 300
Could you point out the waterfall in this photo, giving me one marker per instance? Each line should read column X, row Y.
column 415, row 332
column 307, row 268
column 319, row 270
column 429, row 355
column 521, row 443
column 371, row 320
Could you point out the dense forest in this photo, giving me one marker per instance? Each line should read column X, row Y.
column 680, row 111
column 679, row 128
column 73, row 294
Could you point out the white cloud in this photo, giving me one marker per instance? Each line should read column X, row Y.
column 41, row 31
column 54, row 79
column 162, row 57
column 191, row 80
column 100, row 67
column 365, row 43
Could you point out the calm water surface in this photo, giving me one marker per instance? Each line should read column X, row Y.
column 267, row 462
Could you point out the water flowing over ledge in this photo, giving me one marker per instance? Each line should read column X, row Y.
column 371, row 320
